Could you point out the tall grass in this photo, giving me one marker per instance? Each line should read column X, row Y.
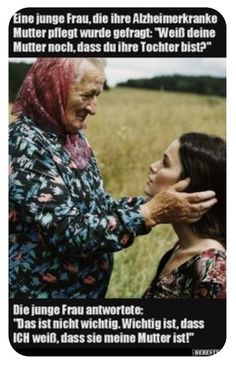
column 131, row 129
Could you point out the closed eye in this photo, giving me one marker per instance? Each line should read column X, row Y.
column 165, row 161
column 91, row 94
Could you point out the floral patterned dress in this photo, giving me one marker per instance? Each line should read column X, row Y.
column 202, row 276
column 64, row 227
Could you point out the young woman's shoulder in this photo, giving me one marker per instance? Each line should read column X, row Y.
column 209, row 270
column 210, row 265
column 212, row 244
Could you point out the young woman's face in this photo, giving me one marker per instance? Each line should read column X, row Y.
column 165, row 172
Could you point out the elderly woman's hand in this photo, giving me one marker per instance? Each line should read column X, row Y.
column 173, row 205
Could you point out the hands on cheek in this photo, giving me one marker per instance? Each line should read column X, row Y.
column 173, row 205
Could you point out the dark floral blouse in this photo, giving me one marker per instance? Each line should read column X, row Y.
column 202, row 276
column 64, row 227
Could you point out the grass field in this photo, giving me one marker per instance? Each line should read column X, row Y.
column 131, row 129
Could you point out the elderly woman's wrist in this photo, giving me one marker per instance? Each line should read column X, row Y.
column 147, row 215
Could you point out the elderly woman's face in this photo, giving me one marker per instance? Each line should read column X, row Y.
column 83, row 97
column 165, row 172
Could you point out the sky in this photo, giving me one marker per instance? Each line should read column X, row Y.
column 122, row 69
column 135, row 68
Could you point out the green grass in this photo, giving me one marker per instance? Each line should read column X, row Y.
column 131, row 129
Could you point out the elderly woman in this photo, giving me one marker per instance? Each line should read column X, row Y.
column 196, row 266
column 63, row 226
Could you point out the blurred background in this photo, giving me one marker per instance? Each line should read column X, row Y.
column 147, row 103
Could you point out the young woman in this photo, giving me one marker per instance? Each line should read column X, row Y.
column 195, row 266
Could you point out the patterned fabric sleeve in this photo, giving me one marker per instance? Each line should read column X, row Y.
column 40, row 194
column 127, row 209
column 210, row 276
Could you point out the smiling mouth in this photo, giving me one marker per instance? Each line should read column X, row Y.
column 80, row 117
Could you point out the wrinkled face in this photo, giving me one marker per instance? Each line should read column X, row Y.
column 165, row 172
column 82, row 100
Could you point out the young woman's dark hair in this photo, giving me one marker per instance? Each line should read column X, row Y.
column 203, row 158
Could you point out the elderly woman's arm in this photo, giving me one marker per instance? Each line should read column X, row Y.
column 39, row 194
column 77, row 217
